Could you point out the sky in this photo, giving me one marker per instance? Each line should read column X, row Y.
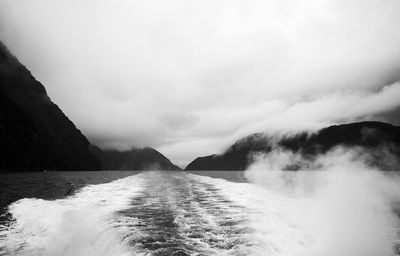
column 190, row 77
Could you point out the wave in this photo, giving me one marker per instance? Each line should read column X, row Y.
column 81, row 224
column 342, row 212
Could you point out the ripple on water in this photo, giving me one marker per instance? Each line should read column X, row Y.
column 178, row 215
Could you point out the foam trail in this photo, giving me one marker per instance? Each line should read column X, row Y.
column 341, row 211
column 81, row 224
column 178, row 214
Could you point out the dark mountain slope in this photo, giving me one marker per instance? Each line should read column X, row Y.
column 364, row 134
column 372, row 136
column 134, row 159
column 35, row 134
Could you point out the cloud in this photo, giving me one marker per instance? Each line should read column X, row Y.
column 169, row 74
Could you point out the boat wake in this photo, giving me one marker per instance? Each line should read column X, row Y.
column 81, row 224
column 177, row 213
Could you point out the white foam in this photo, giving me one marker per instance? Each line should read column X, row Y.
column 344, row 212
column 81, row 224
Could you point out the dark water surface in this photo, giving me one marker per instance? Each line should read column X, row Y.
column 198, row 213
column 50, row 185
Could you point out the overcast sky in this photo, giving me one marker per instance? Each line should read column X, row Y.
column 189, row 77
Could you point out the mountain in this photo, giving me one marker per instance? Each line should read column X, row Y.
column 373, row 137
column 35, row 135
column 134, row 159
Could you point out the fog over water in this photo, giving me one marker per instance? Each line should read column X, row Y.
column 338, row 204
column 188, row 78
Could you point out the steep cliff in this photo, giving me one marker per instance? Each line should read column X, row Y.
column 35, row 135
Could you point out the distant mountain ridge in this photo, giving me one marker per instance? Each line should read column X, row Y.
column 134, row 159
column 35, row 135
column 371, row 136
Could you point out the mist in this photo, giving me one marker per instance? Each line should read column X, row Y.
column 336, row 204
column 187, row 77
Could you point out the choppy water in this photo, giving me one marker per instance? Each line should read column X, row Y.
column 163, row 213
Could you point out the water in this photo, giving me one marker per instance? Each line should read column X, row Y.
column 50, row 185
column 175, row 213
column 119, row 213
